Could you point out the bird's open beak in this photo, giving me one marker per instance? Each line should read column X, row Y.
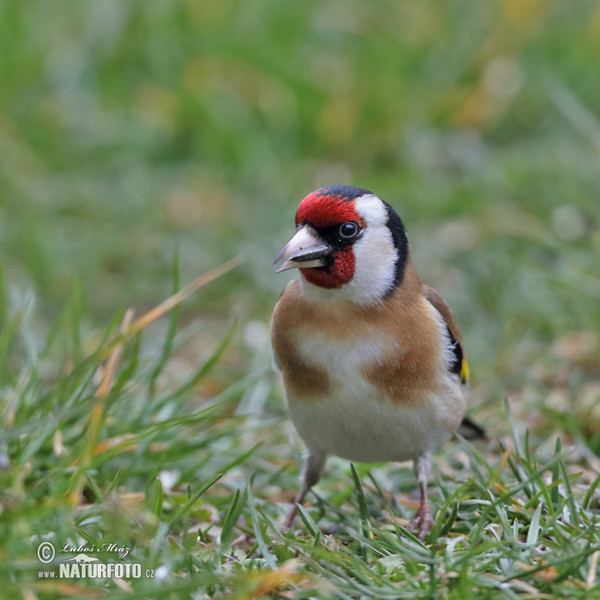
column 304, row 251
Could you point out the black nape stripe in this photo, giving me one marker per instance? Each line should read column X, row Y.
column 400, row 240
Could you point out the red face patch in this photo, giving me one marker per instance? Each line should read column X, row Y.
column 339, row 273
column 322, row 211
column 325, row 210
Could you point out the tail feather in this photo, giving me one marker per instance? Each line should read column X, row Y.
column 471, row 430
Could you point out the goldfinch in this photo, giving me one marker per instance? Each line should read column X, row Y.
column 372, row 360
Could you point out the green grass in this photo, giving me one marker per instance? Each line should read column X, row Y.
column 135, row 132
column 190, row 487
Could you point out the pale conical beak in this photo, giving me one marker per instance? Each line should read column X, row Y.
column 304, row 251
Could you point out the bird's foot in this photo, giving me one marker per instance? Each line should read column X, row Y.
column 289, row 520
column 422, row 524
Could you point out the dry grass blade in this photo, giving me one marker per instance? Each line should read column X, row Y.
column 113, row 360
column 593, row 571
column 112, row 351
column 169, row 304
column 94, row 424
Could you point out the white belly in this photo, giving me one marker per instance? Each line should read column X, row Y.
column 365, row 428
column 356, row 421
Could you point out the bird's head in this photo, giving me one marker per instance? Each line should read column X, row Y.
column 348, row 245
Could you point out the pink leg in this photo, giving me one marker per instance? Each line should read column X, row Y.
column 423, row 521
column 311, row 473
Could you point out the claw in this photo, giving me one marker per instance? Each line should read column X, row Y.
column 423, row 522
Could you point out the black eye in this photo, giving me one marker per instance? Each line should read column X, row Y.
column 349, row 230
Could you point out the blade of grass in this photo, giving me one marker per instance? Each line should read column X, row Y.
column 554, row 493
column 185, row 508
column 241, row 458
column 534, row 526
column 573, row 513
column 157, row 504
column 592, row 574
column 513, row 429
column 269, row 558
column 8, row 333
column 75, row 313
column 167, row 346
column 365, row 516
column 211, row 362
column 474, row 452
column 590, row 493
column 106, row 348
column 167, row 305
column 95, row 488
column 309, row 523
column 128, row 370
column 518, row 474
column 94, row 425
column 447, row 523
column 238, row 502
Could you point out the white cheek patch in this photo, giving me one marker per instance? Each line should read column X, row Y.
column 375, row 253
column 372, row 210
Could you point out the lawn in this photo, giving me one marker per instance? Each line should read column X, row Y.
column 143, row 145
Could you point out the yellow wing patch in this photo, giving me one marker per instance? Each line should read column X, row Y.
column 464, row 370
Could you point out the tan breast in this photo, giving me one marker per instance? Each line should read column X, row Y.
column 403, row 374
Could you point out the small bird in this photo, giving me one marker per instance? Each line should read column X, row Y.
column 372, row 359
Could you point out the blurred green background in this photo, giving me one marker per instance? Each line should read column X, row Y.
column 133, row 130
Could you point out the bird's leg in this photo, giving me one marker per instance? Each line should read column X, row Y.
column 311, row 473
column 423, row 521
